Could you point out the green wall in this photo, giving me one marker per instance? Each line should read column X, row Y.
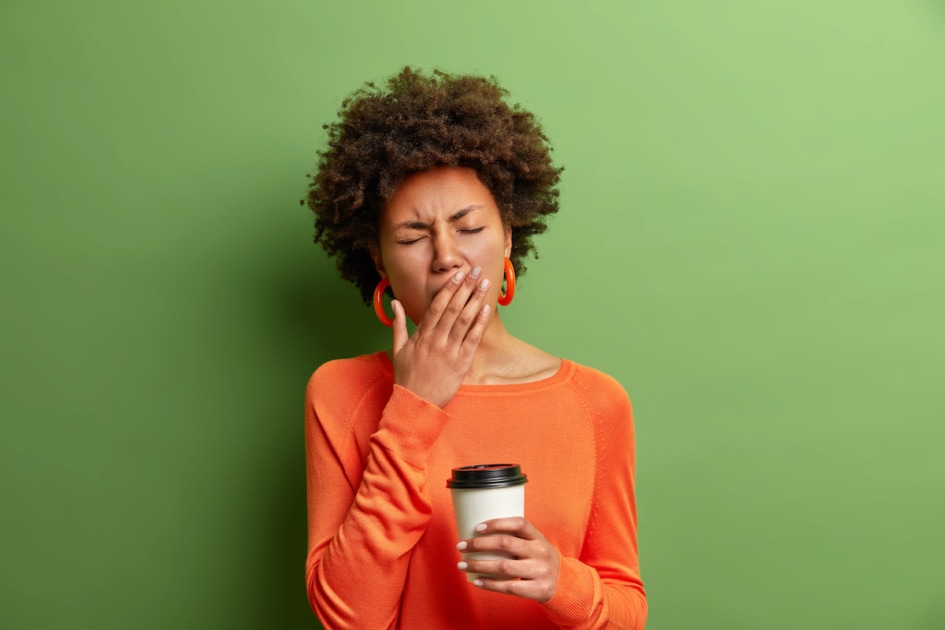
column 751, row 235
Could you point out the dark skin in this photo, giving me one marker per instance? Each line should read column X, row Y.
column 533, row 566
column 368, row 158
column 442, row 243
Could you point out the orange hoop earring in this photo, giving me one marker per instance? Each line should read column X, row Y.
column 379, row 302
column 506, row 298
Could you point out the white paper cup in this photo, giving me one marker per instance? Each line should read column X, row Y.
column 483, row 492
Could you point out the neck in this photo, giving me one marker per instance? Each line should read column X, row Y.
column 495, row 352
column 502, row 358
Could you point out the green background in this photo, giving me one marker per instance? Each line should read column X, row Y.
column 750, row 240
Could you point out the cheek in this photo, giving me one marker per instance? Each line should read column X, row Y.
column 406, row 286
column 408, row 282
column 400, row 262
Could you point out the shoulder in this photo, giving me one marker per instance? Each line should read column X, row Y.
column 597, row 381
column 602, row 392
column 346, row 379
column 365, row 365
column 609, row 410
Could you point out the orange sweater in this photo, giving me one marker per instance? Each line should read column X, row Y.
column 382, row 540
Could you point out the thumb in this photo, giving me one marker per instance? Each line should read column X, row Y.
column 400, row 326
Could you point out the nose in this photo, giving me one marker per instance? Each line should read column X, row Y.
column 446, row 254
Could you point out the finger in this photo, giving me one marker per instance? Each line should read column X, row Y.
column 456, row 307
column 515, row 525
column 400, row 326
column 475, row 332
column 497, row 543
column 471, row 313
column 531, row 589
column 441, row 301
column 505, row 568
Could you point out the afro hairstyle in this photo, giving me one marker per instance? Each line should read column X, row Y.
column 414, row 123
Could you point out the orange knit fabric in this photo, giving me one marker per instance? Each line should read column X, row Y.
column 382, row 540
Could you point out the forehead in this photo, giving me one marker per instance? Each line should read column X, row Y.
column 437, row 193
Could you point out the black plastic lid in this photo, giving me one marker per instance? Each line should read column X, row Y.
column 486, row 476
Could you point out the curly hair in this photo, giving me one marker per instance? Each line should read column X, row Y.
column 417, row 123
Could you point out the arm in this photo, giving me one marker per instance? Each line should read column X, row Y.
column 362, row 528
column 602, row 588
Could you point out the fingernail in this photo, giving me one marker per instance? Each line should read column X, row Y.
column 475, row 272
column 462, row 566
column 481, row 527
column 458, row 277
column 477, row 583
column 484, row 284
column 461, row 545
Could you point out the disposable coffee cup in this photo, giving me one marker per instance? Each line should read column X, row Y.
column 483, row 492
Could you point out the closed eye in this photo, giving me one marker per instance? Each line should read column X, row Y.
column 410, row 241
column 473, row 230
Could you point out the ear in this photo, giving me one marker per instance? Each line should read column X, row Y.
column 378, row 261
column 508, row 241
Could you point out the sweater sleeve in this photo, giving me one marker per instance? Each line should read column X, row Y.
column 603, row 588
column 365, row 514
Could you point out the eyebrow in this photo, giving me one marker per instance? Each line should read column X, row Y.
column 420, row 225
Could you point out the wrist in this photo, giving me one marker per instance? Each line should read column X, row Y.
column 409, row 425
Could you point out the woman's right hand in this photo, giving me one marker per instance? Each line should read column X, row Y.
column 433, row 363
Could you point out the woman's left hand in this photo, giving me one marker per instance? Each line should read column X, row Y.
column 531, row 572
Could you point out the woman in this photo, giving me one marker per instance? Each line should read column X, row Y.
column 434, row 187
